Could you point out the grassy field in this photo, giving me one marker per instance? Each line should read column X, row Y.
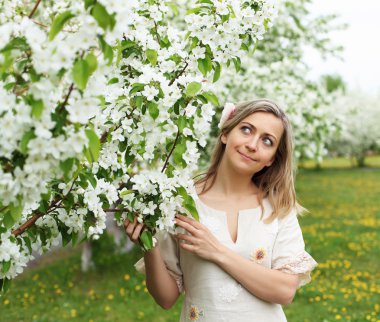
column 341, row 232
column 341, row 162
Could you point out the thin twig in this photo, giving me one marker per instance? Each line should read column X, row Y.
column 3, row 208
column 34, row 9
column 53, row 206
column 115, row 210
column 179, row 74
column 171, row 151
column 158, row 36
column 103, row 137
column 66, row 98
column 27, row 224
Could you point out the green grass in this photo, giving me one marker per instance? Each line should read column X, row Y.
column 341, row 232
column 341, row 162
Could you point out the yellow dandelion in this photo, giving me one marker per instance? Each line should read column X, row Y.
column 127, row 277
column 110, row 296
column 73, row 313
column 6, row 302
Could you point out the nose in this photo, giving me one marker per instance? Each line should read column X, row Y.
column 252, row 143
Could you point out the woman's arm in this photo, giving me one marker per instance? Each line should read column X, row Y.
column 268, row 284
column 160, row 284
column 265, row 283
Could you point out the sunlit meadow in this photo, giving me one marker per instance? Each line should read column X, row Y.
column 341, row 233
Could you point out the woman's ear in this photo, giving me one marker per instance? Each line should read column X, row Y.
column 223, row 138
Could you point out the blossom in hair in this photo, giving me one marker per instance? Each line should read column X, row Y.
column 228, row 111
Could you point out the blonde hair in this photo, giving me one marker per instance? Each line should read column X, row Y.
column 275, row 182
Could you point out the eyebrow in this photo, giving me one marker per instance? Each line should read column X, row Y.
column 254, row 127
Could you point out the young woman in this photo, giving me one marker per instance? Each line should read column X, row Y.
column 246, row 257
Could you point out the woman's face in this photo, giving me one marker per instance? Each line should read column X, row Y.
column 252, row 144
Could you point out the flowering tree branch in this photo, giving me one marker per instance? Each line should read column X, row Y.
column 34, row 9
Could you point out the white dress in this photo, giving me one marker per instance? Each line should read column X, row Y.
column 214, row 296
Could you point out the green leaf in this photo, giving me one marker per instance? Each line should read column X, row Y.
column 193, row 10
column 139, row 101
column 81, row 73
column 153, row 110
column 211, row 97
column 194, row 43
column 237, row 63
column 88, row 3
column 129, row 158
column 193, row 88
column 188, row 202
column 101, row 15
column 107, row 50
column 147, row 240
column 92, row 63
column 202, row 67
column 66, row 238
column 179, row 150
column 59, row 22
column 8, row 221
column 217, row 70
column 92, row 152
column 113, row 80
column 190, row 206
column 136, row 87
column 4, row 285
column 130, row 217
column 181, row 122
column 16, row 211
column 151, row 54
column 91, row 178
column 28, row 243
column 74, row 238
column 37, row 108
column 25, row 140
column 6, row 266
column 66, row 166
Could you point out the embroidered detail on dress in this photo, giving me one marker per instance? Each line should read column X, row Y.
column 211, row 223
column 195, row 313
column 258, row 255
column 229, row 292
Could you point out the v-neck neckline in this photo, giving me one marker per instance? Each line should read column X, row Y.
column 240, row 211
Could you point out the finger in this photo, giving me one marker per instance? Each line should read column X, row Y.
column 130, row 228
column 191, row 221
column 191, row 229
column 136, row 232
column 188, row 247
column 187, row 238
column 126, row 223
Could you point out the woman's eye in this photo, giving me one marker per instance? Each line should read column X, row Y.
column 268, row 141
column 245, row 129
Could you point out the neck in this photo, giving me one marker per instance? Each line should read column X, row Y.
column 231, row 183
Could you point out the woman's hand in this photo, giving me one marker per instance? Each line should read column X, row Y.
column 133, row 229
column 201, row 241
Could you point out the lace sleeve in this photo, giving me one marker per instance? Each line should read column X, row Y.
column 289, row 255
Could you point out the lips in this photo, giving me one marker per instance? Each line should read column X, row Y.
column 246, row 156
